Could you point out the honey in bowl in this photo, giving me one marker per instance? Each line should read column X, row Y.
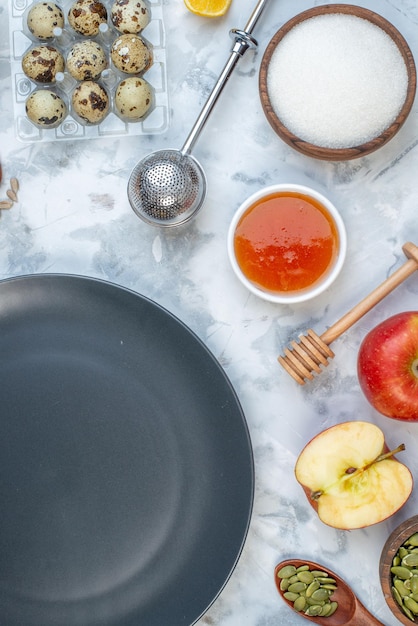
column 286, row 243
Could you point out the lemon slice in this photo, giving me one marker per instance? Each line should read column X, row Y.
column 208, row 8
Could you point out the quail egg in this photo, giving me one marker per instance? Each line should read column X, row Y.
column 42, row 63
column 86, row 60
column 130, row 54
column 86, row 16
column 90, row 102
column 133, row 98
column 43, row 18
column 45, row 108
column 129, row 16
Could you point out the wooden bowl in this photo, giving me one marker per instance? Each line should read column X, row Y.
column 346, row 153
column 391, row 547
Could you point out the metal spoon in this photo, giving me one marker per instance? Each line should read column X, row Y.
column 350, row 611
column 168, row 187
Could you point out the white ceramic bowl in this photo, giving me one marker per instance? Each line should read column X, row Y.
column 291, row 297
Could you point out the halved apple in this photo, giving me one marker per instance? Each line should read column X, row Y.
column 350, row 476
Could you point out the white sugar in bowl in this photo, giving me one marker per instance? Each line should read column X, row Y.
column 337, row 82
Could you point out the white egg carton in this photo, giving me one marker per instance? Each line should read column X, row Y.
column 72, row 128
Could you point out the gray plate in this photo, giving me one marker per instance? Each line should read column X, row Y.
column 126, row 468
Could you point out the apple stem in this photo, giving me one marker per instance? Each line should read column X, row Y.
column 387, row 455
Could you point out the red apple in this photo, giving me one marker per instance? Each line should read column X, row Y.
column 387, row 366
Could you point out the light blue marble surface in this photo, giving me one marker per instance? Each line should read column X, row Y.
column 73, row 216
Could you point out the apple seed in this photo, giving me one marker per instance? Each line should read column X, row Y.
column 350, row 470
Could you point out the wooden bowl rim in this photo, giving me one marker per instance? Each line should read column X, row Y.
column 338, row 154
column 397, row 537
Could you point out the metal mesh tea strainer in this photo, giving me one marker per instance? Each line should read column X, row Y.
column 168, row 187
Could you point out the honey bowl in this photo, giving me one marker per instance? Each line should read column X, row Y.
column 287, row 243
column 337, row 82
column 396, row 589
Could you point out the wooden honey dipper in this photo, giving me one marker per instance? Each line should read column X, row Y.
column 312, row 351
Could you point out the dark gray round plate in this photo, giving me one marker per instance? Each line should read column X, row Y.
column 126, row 468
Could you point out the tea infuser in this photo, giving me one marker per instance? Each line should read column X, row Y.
column 168, row 187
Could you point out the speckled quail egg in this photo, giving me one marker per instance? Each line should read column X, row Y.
column 86, row 60
column 133, row 98
column 90, row 101
column 129, row 16
column 45, row 108
column 42, row 63
column 43, row 17
column 86, row 16
column 130, row 54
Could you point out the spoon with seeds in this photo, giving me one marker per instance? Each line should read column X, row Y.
column 349, row 612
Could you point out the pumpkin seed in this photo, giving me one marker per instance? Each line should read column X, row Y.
column 400, row 587
column 297, row 587
column 397, row 596
column 408, row 613
column 299, row 604
column 302, row 568
column 312, row 602
column 325, row 579
column 334, row 607
column 306, row 576
column 411, row 605
column 315, row 584
column 314, row 610
column 326, row 609
column 289, row 595
column 320, row 594
column 410, row 560
column 287, row 571
column 5, row 204
column 401, row 572
column 413, row 540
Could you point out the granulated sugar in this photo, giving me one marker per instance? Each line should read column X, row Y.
column 337, row 80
